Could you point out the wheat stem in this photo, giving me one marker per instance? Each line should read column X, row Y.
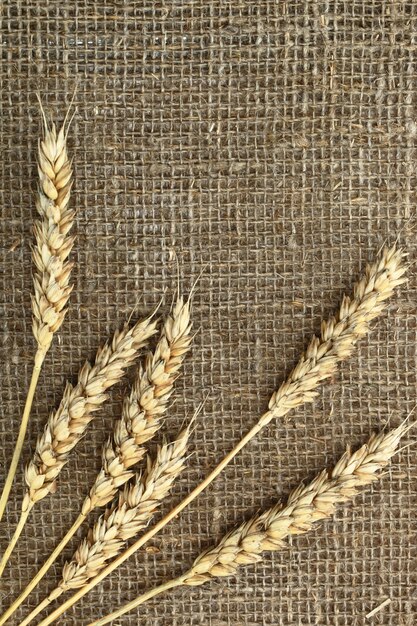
column 14, row 540
column 339, row 336
column 38, row 609
column 156, row 591
column 306, row 505
column 45, row 567
column 21, row 437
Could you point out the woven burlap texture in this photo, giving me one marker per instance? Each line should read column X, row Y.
column 271, row 144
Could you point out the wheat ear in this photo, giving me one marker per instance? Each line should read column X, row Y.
column 144, row 408
column 306, row 505
column 338, row 338
column 141, row 418
column 50, row 257
column 67, row 425
column 135, row 507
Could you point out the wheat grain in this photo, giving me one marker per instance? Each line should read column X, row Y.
column 142, row 414
column 136, row 505
column 50, row 256
column 338, row 337
column 306, row 505
column 67, row 425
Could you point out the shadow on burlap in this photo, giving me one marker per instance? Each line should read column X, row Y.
column 273, row 144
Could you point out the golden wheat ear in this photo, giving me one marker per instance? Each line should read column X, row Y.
column 53, row 242
column 144, row 409
column 51, row 279
column 267, row 532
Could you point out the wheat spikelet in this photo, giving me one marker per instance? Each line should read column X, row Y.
column 267, row 532
column 338, row 338
column 53, row 243
column 136, row 505
column 143, row 408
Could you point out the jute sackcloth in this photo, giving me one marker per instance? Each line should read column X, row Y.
column 272, row 145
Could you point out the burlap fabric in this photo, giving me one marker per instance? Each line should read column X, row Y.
column 272, row 144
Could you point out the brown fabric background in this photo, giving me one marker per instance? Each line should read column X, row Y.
column 272, row 144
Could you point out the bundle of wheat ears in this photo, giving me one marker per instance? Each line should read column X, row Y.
column 131, row 497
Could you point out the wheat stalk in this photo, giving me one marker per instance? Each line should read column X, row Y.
column 67, row 425
column 306, row 505
column 339, row 336
column 50, row 256
column 141, row 418
column 136, row 505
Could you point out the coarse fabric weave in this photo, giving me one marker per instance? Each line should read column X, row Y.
column 270, row 145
